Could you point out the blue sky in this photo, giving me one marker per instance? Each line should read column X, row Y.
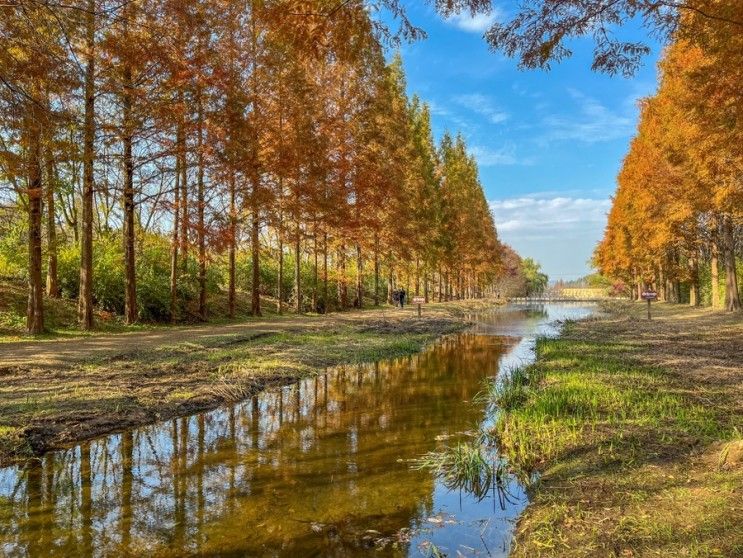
column 549, row 144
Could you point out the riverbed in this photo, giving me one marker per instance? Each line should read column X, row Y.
column 323, row 467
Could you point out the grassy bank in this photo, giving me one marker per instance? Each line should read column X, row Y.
column 61, row 320
column 54, row 393
column 635, row 427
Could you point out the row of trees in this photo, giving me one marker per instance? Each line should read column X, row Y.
column 677, row 216
column 228, row 127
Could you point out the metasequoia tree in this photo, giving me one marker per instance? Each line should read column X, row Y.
column 32, row 47
column 680, row 195
column 214, row 132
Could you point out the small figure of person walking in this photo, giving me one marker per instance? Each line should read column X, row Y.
column 402, row 298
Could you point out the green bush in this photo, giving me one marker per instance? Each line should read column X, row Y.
column 14, row 249
column 705, row 282
column 153, row 276
column 153, row 280
column 68, row 269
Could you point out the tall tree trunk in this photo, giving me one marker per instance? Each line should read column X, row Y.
column 35, row 309
column 71, row 215
column 315, row 282
column 441, row 288
column 201, row 210
column 715, row 273
column 390, row 284
column 674, row 291
column 232, row 248
column 130, row 271
column 298, row 269
column 359, row 278
column 694, row 281
column 255, row 248
column 342, row 284
column 671, row 292
column 663, row 285
column 634, row 294
column 417, row 276
column 325, row 301
column 314, row 269
column 184, row 221
column 376, row 269
column 255, row 173
column 174, row 239
column 425, row 286
column 52, row 276
column 85, row 301
column 280, row 278
column 732, row 296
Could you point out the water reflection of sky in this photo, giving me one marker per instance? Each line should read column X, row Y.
column 317, row 468
column 483, row 527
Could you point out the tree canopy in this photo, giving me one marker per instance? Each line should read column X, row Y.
column 162, row 152
column 679, row 199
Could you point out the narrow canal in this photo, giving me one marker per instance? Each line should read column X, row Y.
column 320, row 468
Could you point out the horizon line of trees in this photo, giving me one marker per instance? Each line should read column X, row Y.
column 168, row 149
column 676, row 222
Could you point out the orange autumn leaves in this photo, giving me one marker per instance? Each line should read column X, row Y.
column 679, row 204
column 240, row 137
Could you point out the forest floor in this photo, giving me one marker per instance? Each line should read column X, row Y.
column 55, row 392
column 637, row 429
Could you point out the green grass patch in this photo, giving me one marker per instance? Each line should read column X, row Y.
column 620, row 445
column 593, row 388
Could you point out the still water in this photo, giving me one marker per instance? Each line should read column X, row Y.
column 320, row 468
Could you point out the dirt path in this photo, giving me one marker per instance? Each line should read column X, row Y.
column 55, row 352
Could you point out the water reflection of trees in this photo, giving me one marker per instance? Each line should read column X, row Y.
column 307, row 468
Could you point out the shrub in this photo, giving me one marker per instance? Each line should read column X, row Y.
column 13, row 248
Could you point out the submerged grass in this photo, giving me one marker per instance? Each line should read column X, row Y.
column 630, row 450
column 467, row 466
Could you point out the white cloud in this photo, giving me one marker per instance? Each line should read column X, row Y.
column 478, row 23
column 501, row 156
column 593, row 123
column 558, row 231
column 541, row 217
column 482, row 105
column 436, row 108
column 460, row 124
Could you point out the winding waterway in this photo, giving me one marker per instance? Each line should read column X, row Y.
column 319, row 468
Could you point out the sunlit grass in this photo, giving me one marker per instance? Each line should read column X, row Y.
column 583, row 390
column 508, row 390
column 614, row 437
